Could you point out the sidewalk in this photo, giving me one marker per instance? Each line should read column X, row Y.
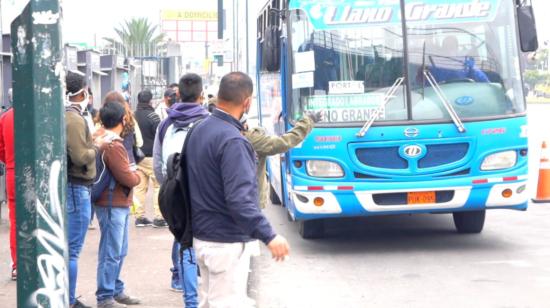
column 146, row 269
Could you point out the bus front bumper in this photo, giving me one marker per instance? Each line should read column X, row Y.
column 332, row 201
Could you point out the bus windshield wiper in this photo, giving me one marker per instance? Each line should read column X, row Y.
column 452, row 112
column 387, row 97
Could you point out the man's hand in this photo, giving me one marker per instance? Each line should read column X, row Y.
column 279, row 248
column 315, row 116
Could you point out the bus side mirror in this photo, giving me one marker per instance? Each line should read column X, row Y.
column 271, row 48
column 527, row 29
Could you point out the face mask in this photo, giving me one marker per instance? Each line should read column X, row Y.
column 83, row 104
column 244, row 118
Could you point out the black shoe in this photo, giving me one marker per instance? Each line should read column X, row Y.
column 143, row 222
column 14, row 274
column 79, row 304
column 159, row 223
column 110, row 304
column 127, row 299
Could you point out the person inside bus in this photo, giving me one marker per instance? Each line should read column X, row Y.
column 327, row 60
column 454, row 66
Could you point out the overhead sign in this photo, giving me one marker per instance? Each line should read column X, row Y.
column 331, row 14
column 189, row 15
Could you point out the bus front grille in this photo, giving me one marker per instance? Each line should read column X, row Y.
column 383, row 157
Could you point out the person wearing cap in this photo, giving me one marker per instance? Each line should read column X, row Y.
column 171, row 96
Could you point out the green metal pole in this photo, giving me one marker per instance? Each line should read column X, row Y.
column 40, row 160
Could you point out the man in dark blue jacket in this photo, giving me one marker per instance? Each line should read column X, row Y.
column 224, row 199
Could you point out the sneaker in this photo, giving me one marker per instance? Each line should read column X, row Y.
column 125, row 299
column 143, row 222
column 110, row 304
column 159, row 223
column 14, row 274
column 176, row 286
column 79, row 304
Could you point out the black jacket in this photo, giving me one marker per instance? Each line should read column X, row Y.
column 148, row 120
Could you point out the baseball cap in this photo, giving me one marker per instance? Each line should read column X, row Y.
column 169, row 92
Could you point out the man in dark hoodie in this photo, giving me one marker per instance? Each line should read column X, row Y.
column 168, row 140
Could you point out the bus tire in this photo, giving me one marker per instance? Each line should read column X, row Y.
column 312, row 229
column 469, row 222
column 273, row 196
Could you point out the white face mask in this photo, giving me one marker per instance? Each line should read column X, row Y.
column 83, row 104
column 244, row 118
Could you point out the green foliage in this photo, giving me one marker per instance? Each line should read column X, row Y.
column 137, row 37
column 535, row 77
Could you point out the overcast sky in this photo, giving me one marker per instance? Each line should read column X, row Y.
column 86, row 20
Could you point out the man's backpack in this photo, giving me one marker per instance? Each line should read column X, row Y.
column 174, row 199
column 103, row 179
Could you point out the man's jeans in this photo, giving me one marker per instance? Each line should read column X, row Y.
column 187, row 271
column 113, row 247
column 78, row 218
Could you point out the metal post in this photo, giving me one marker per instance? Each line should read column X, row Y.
column 41, row 160
column 247, row 40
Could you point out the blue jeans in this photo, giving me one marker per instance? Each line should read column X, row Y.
column 78, row 218
column 113, row 248
column 187, row 271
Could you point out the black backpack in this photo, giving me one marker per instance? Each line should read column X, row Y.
column 174, row 199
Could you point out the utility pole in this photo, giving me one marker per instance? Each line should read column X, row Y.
column 40, row 164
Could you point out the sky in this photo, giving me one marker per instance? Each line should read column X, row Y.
column 87, row 21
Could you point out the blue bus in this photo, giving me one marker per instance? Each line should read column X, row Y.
column 422, row 101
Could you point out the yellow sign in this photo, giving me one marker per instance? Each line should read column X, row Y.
column 189, row 15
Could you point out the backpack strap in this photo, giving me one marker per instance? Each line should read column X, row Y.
column 191, row 128
column 112, row 184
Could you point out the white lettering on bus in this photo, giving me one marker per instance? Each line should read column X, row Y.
column 416, row 11
column 420, row 11
column 357, row 15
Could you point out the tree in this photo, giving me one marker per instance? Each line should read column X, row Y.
column 535, row 77
column 137, row 37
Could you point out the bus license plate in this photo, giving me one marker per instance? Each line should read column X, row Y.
column 421, row 197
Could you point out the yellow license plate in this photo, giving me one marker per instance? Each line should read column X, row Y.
column 421, row 197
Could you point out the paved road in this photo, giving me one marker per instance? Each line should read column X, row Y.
column 417, row 261
column 412, row 261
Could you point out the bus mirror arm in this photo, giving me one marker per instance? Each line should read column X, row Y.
column 445, row 101
column 387, row 97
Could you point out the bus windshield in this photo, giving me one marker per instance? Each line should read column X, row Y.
column 348, row 61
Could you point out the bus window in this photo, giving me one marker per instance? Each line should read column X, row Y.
column 467, row 61
column 351, row 71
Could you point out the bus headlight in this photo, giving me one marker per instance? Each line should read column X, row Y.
column 324, row 169
column 501, row 160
